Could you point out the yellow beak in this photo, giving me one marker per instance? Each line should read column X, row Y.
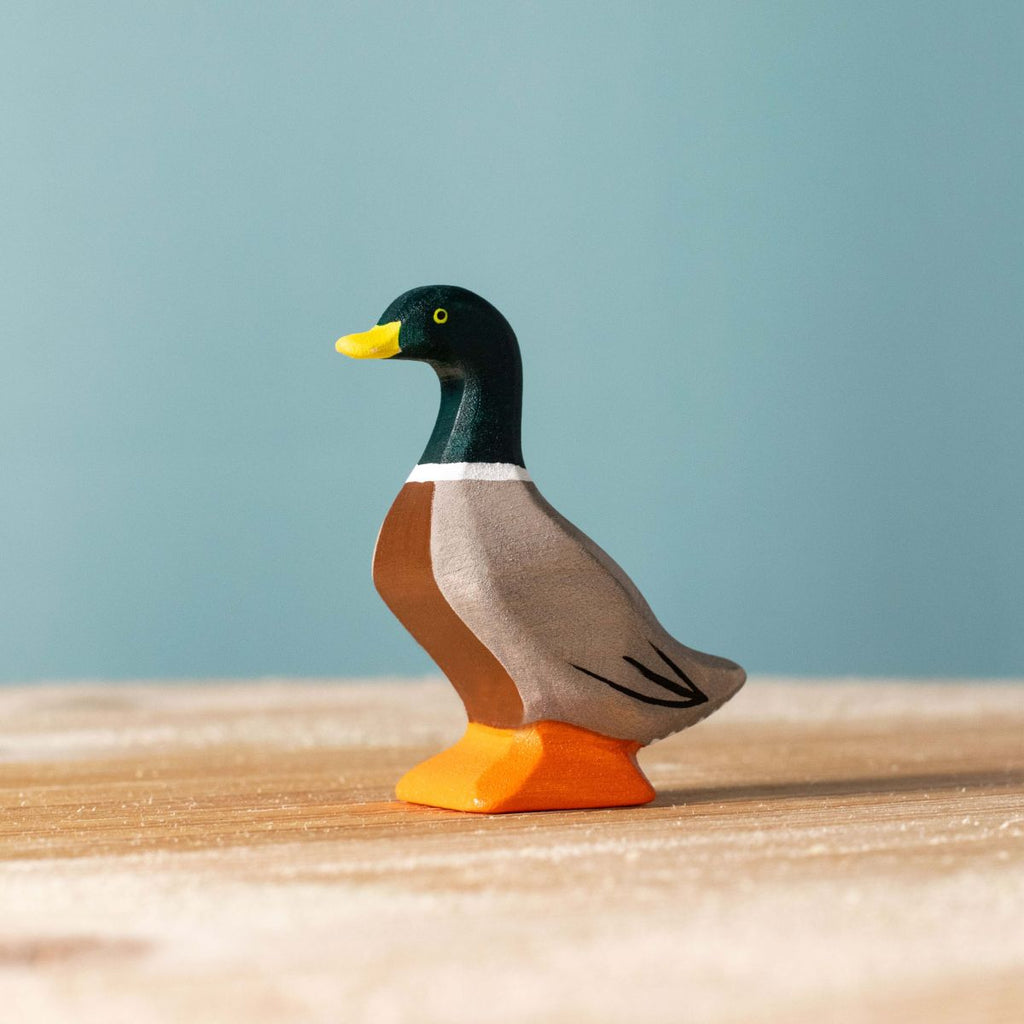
column 378, row 342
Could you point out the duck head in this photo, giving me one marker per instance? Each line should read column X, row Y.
column 474, row 352
column 439, row 324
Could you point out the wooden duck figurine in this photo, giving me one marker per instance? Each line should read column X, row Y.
column 563, row 668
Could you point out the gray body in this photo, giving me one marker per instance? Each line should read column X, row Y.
column 543, row 598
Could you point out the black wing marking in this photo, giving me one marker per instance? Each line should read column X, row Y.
column 690, row 692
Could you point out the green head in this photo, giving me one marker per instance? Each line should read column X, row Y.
column 475, row 354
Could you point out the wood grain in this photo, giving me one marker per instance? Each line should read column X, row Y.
column 230, row 852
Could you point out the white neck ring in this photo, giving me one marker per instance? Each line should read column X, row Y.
column 467, row 471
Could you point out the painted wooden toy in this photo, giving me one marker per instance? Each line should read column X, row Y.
column 563, row 668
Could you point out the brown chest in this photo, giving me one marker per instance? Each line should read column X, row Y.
column 403, row 574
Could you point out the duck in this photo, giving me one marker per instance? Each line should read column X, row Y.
column 564, row 671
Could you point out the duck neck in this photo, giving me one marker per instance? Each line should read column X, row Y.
column 480, row 418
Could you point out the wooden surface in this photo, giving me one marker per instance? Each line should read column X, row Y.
column 840, row 852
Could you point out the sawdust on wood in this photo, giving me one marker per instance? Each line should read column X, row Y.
column 848, row 852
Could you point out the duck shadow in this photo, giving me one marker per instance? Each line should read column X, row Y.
column 876, row 785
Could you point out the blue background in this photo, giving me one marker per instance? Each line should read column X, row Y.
column 765, row 262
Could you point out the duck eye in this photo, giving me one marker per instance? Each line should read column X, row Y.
column 440, row 316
